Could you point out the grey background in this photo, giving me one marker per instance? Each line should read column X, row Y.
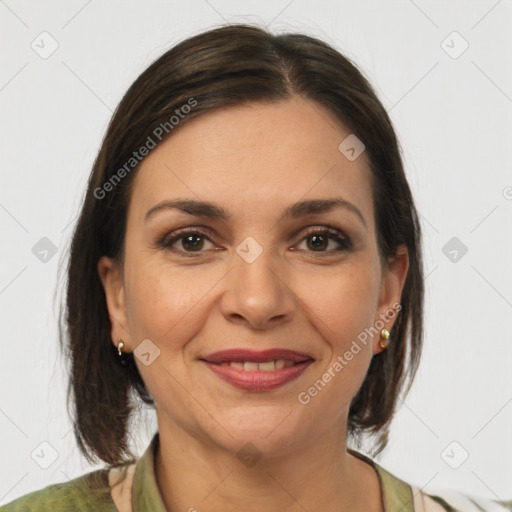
column 452, row 112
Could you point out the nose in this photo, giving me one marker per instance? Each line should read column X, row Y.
column 256, row 294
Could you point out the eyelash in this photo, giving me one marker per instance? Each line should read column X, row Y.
column 333, row 234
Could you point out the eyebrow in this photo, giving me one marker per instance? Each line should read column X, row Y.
column 296, row 210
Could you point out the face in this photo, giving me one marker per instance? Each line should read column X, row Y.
column 263, row 267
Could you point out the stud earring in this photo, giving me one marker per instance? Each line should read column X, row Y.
column 384, row 337
column 123, row 357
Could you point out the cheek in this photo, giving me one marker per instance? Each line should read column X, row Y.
column 342, row 307
column 343, row 301
column 166, row 303
column 168, row 306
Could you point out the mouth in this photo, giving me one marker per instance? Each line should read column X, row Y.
column 253, row 366
column 258, row 370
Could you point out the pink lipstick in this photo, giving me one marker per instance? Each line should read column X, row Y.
column 258, row 370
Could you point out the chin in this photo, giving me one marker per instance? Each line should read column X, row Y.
column 268, row 430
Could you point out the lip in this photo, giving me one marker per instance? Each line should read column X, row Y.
column 258, row 356
column 257, row 380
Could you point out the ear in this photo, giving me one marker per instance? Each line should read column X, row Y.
column 111, row 276
column 392, row 283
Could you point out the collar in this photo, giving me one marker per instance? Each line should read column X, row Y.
column 145, row 495
column 396, row 494
column 145, row 492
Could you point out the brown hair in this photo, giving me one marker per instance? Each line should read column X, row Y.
column 226, row 66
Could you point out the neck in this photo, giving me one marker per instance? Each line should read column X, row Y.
column 194, row 474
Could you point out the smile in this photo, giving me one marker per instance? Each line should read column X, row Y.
column 252, row 366
column 258, row 371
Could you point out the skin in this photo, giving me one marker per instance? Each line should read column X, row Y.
column 254, row 161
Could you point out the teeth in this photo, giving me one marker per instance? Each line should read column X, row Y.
column 266, row 366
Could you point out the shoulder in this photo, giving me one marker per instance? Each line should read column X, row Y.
column 440, row 501
column 89, row 492
column 402, row 496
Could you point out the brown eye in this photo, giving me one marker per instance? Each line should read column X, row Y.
column 192, row 242
column 186, row 242
column 326, row 240
column 316, row 242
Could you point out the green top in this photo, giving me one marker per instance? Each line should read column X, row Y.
column 99, row 491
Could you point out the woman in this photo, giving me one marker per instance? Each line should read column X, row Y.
column 248, row 261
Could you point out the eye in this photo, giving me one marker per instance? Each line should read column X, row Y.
column 190, row 241
column 323, row 238
column 193, row 242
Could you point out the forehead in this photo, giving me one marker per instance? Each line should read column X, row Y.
column 250, row 157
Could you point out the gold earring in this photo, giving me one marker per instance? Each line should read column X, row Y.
column 122, row 356
column 384, row 335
